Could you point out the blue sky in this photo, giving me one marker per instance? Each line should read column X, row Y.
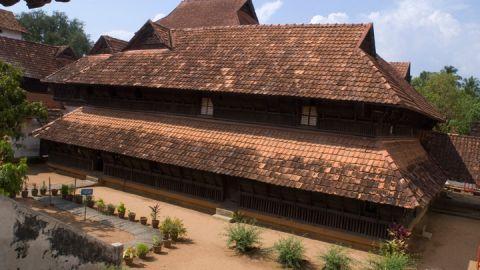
column 429, row 33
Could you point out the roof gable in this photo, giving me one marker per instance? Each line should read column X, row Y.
column 207, row 13
column 109, row 45
column 403, row 69
column 150, row 36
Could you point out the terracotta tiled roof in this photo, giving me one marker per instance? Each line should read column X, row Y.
column 8, row 21
column 30, row 3
column 202, row 13
column 45, row 99
column 458, row 155
column 396, row 172
column 312, row 61
column 403, row 68
column 109, row 45
column 35, row 59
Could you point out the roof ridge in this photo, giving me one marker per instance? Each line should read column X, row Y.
column 33, row 42
column 292, row 25
column 76, row 61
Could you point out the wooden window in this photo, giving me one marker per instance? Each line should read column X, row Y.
column 309, row 116
column 207, row 107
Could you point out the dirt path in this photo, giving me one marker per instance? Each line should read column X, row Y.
column 206, row 248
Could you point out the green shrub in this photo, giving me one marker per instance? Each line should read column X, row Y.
column 142, row 250
column 156, row 241
column 121, row 208
column 243, row 237
column 64, row 190
column 100, row 205
column 173, row 228
column 336, row 259
column 394, row 261
column 111, row 209
column 290, row 252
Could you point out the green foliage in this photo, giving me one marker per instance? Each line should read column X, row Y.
column 111, row 209
column 290, row 252
column 156, row 241
column 394, row 261
column 243, row 237
column 155, row 210
column 13, row 176
column 336, row 259
column 458, row 99
column 173, row 228
column 121, row 208
column 100, row 205
column 142, row 250
column 64, row 190
column 56, row 29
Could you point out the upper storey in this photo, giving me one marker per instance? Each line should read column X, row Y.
column 324, row 62
column 204, row 13
column 9, row 26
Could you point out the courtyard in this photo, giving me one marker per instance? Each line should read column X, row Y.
column 205, row 246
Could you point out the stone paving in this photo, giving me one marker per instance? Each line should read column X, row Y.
column 141, row 233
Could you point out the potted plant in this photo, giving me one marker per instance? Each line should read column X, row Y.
column 110, row 209
column 25, row 191
column 166, row 228
column 54, row 191
column 34, row 190
column 121, row 210
column 43, row 189
column 78, row 198
column 89, row 201
column 177, row 229
column 142, row 250
column 143, row 220
column 155, row 210
column 71, row 192
column 157, row 245
column 64, row 191
column 128, row 255
column 100, row 205
column 131, row 215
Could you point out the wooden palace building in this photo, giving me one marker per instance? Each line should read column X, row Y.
column 300, row 125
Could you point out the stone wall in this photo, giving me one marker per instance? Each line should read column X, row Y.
column 32, row 240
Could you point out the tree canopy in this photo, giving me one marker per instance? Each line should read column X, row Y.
column 14, row 109
column 56, row 29
column 456, row 97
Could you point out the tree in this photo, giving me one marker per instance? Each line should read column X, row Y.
column 455, row 97
column 56, row 29
column 14, row 109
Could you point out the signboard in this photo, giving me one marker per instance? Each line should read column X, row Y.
column 86, row 192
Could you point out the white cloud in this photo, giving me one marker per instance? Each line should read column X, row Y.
column 268, row 9
column 158, row 17
column 336, row 17
column 431, row 33
column 121, row 34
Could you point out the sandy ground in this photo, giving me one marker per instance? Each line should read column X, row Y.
column 103, row 232
column 454, row 242
column 39, row 173
column 206, row 247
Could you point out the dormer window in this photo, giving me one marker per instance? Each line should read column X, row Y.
column 309, row 116
column 207, row 107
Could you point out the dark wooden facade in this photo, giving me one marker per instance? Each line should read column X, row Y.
column 345, row 117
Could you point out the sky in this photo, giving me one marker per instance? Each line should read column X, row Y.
column 429, row 33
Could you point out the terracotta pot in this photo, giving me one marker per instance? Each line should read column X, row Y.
column 143, row 220
column 34, row 192
column 43, row 192
column 131, row 216
column 155, row 224
column 157, row 249
column 24, row 193
column 167, row 243
column 121, row 215
column 54, row 192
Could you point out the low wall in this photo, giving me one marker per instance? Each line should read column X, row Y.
column 32, row 240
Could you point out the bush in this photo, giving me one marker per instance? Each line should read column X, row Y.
column 100, row 205
column 173, row 228
column 64, row 190
column 336, row 259
column 121, row 208
column 111, row 209
column 290, row 252
column 142, row 250
column 395, row 261
column 243, row 237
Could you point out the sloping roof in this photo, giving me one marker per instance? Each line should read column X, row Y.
column 403, row 68
column 109, row 45
column 311, row 61
column 30, row 3
column 204, row 13
column 34, row 59
column 457, row 155
column 46, row 99
column 396, row 171
column 8, row 21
